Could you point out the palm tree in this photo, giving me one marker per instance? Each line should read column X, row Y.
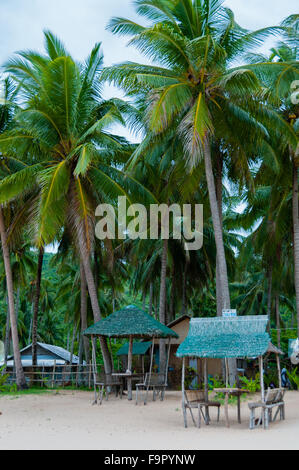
column 194, row 89
column 5, row 120
column 277, row 73
column 62, row 132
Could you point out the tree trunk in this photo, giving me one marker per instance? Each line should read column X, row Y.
column 219, row 168
column 296, row 237
column 150, row 302
column 223, row 276
column 93, row 295
column 36, row 305
column 162, row 309
column 72, row 345
column 269, row 295
column 172, row 297
column 218, row 233
column 278, row 320
column 20, row 376
column 7, row 335
column 84, row 313
column 184, row 293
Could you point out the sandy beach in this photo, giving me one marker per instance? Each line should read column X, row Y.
column 67, row 420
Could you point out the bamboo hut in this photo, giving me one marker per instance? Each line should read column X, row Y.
column 131, row 322
column 225, row 338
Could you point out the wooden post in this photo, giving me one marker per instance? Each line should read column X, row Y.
column 167, row 362
column 262, row 378
column 206, row 379
column 226, row 395
column 279, row 370
column 129, row 370
column 111, row 355
column 142, row 359
column 130, row 355
column 183, row 394
column 94, row 368
column 150, row 372
column 53, row 375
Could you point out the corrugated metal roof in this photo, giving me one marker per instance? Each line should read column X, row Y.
column 56, row 350
column 130, row 321
column 226, row 337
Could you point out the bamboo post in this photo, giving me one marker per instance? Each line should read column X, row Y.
column 226, row 394
column 89, row 375
column 129, row 370
column 53, row 375
column 206, row 379
column 150, row 372
column 183, row 393
column 262, row 378
column 279, row 370
column 94, row 368
column 167, row 361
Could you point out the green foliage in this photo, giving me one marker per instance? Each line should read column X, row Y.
column 293, row 375
column 252, row 385
column 4, row 386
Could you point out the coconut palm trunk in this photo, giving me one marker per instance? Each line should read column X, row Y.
column 93, row 295
column 84, row 313
column 162, row 309
column 7, row 335
column 296, row 237
column 20, row 376
column 150, row 302
column 223, row 277
column 277, row 311
column 219, row 165
column 36, row 305
column 222, row 271
column 269, row 294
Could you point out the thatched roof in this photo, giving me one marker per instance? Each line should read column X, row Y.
column 273, row 349
column 226, row 337
column 139, row 349
column 130, row 321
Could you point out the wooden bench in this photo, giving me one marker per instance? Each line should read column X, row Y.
column 274, row 399
column 156, row 382
column 201, row 405
column 103, row 383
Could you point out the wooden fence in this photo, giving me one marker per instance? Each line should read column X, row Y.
column 57, row 376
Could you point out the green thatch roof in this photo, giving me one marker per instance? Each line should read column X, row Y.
column 139, row 349
column 130, row 321
column 226, row 337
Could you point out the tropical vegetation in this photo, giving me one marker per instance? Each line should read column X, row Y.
column 218, row 125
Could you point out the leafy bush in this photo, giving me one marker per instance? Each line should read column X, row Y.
column 216, row 382
column 252, row 385
column 3, row 380
column 294, row 378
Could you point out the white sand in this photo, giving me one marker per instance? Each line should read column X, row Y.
column 68, row 421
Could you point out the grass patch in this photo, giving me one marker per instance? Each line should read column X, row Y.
column 29, row 391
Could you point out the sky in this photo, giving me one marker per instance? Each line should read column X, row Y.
column 81, row 23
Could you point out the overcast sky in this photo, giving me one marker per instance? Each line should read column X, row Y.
column 81, row 23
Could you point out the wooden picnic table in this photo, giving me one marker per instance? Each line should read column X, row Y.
column 129, row 377
column 236, row 392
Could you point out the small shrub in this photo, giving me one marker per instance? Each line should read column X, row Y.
column 294, row 378
column 252, row 385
